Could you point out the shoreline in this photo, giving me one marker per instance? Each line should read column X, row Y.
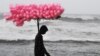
column 47, row 41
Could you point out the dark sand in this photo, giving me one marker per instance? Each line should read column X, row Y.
column 68, row 48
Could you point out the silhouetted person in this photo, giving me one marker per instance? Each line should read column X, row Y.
column 40, row 49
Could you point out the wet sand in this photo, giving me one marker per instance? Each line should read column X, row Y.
column 68, row 48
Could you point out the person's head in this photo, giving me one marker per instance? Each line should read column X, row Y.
column 43, row 29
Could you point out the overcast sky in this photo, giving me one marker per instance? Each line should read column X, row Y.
column 70, row 6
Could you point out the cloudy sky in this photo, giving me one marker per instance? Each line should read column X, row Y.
column 70, row 6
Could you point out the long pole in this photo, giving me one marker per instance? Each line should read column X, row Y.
column 38, row 24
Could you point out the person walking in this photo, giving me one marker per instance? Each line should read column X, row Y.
column 40, row 49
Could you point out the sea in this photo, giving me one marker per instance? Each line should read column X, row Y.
column 75, row 27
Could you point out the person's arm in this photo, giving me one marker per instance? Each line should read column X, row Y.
column 46, row 51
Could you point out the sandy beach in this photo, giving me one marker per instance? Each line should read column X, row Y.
column 60, row 48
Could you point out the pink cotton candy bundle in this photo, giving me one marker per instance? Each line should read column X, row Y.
column 21, row 13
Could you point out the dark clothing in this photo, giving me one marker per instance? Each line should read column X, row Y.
column 39, row 46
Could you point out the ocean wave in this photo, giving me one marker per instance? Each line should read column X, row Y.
column 62, row 29
column 80, row 17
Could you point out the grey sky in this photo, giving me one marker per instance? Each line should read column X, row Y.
column 70, row 6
